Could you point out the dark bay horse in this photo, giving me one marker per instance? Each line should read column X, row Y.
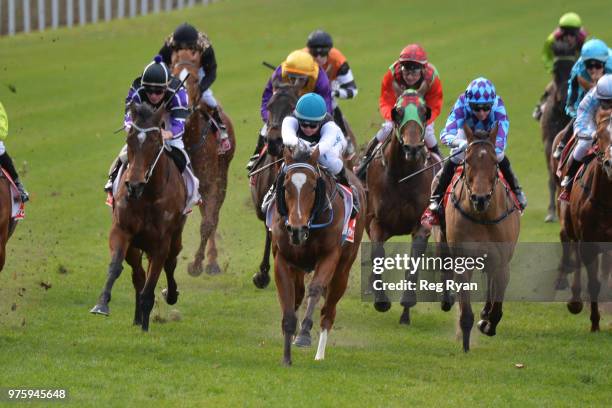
column 147, row 216
column 554, row 119
column 307, row 236
column 210, row 167
column 7, row 223
column 395, row 208
column 281, row 104
column 481, row 213
column 588, row 220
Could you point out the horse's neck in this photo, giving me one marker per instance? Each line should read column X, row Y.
column 601, row 187
column 398, row 167
column 158, row 183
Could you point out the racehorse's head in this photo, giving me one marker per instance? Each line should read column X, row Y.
column 144, row 142
column 187, row 61
column 480, row 167
column 300, row 192
column 565, row 57
column 410, row 116
column 604, row 137
column 281, row 104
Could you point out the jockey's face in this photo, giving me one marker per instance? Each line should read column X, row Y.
column 155, row 95
column 595, row 69
column 411, row 73
column 319, row 54
column 309, row 128
column 298, row 81
column 481, row 110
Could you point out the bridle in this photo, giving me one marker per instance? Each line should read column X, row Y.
column 144, row 132
column 467, row 185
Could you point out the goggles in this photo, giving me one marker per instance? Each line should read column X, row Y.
column 478, row 107
column 308, row 124
column 593, row 64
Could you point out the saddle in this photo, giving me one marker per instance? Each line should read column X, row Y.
column 567, row 153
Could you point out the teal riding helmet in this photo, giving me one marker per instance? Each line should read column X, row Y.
column 594, row 49
column 311, row 107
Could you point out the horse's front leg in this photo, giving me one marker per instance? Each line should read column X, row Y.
column 119, row 242
column 378, row 236
column 285, row 286
column 466, row 316
column 147, row 296
column 590, row 257
column 262, row 278
column 419, row 245
column 496, row 291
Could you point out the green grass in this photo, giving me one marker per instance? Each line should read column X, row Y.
column 227, row 348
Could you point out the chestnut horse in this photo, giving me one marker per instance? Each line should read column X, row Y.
column 588, row 221
column 210, row 167
column 395, row 208
column 307, row 236
column 481, row 212
column 281, row 104
column 554, row 119
column 147, row 216
column 7, row 223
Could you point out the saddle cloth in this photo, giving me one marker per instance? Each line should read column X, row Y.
column 17, row 206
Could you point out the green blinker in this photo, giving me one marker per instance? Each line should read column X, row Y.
column 411, row 113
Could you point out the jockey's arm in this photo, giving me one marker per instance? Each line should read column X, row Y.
column 547, row 53
column 584, row 126
column 434, row 98
column 584, row 83
column 289, row 131
column 323, row 88
column 453, row 123
column 347, row 88
column 209, row 65
column 331, row 136
column 127, row 117
column 179, row 111
column 3, row 123
column 503, row 125
column 387, row 98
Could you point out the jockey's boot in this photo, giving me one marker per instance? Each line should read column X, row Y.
column 112, row 174
column 7, row 163
column 537, row 112
column 341, row 178
column 253, row 159
column 568, row 131
column 510, row 177
column 431, row 216
column 559, row 150
column 361, row 169
column 568, row 180
column 224, row 142
column 436, row 149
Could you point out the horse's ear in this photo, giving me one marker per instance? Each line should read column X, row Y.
column 314, row 156
column 396, row 116
column 469, row 135
column 133, row 108
column 275, row 83
column 493, row 133
column 288, row 154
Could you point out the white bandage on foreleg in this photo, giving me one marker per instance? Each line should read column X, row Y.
column 384, row 131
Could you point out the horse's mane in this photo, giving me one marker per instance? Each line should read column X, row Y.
column 563, row 49
column 142, row 112
column 481, row 134
column 301, row 153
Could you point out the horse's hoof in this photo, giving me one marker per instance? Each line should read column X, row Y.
column 447, row 303
column 561, row 283
column 405, row 317
column 382, row 306
column 574, row 307
column 213, row 269
column 261, row 281
column 100, row 309
column 302, row 340
column 170, row 299
column 194, row 269
column 486, row 327
column 550, row 218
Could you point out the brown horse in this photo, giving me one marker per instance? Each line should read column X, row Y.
column 7, row 223
column 482, row 213
column 147, row 216
column 209, row 167
column 554, row 119
column 307, row 236
column 395, row 208
column 588, row 221
column 281, row 104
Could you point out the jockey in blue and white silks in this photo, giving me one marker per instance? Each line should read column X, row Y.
column 480, row 108
column 585, row 128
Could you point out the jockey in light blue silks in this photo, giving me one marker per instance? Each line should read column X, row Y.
column 593, row 63
column 311, row 123
column 480, row 108
column 585, row 128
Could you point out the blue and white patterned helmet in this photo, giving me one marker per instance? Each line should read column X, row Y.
column 480, row 90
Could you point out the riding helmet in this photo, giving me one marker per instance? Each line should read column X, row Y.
column 311, row 107
column 594, row 49
column 319, row 39
column 185, row 36
column 413, row 53
column 570, row 20
column 604, row 87
column 480, row 90
column 155, row 74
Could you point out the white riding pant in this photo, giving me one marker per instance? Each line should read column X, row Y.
column 209, row 98
column 2, row 148
column 582, row 148
column 387, row 127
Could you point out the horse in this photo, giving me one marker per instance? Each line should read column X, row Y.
column 210, row 167
column 587, row 219
column 481, row 212
column 148, row 216
column 7, row 223
column 554, row 119
column 280, row 105
column 307, row 224
column 395, row 208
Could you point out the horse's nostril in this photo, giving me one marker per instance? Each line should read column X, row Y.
column 473, row 197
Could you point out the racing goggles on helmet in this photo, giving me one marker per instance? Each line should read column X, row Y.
column 477, row 107
column 411, row 67
column 319, row 51
column 308, row 124
column 593, row 64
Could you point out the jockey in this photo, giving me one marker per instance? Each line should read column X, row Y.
column 187, row 37
column 300, row 69
column 5, row 160
column 411, row 70
column 312, row 123
column 585, row 128
column 480, row 108
column 569, row 33
column 593, row 63
column 320, row 45
column 157, row 87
